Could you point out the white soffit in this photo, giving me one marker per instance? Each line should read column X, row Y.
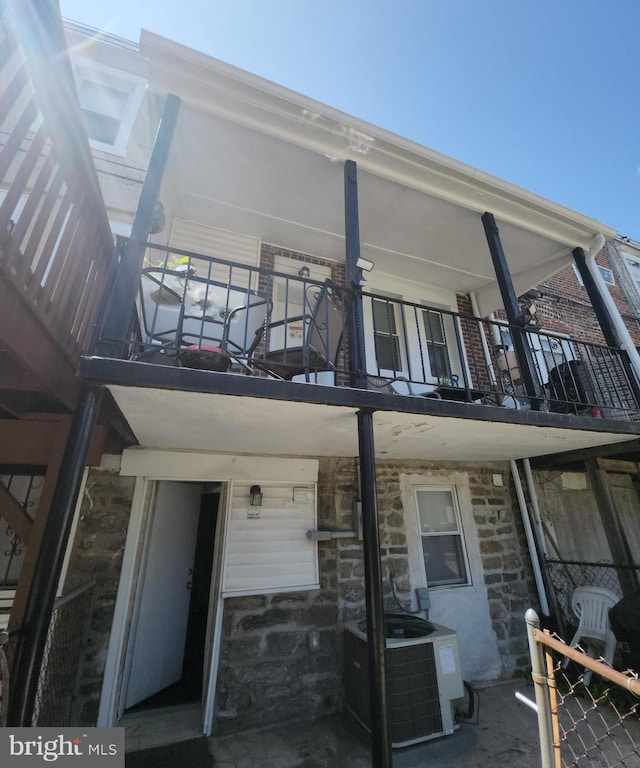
column 253, row 157
column 228, row 424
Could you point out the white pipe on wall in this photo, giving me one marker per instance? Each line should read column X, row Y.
column 625, row 340
column 483, row 339
column 537, row 519
column 524, row 512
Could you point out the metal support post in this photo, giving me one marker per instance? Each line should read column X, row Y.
column 539, row 677
column 604, row 318
column 510, row 301
column 381, row 754
column 357, row 361
column 32, row 636
column 118, row 316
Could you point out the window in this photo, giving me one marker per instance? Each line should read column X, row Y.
column 110, row 100
column 607, row 275
column 443, row 548
column 387, row 339
column 436, row 344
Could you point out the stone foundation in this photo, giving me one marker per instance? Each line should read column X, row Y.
column 97, row 554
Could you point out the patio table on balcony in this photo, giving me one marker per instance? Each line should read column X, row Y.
column 171, row 299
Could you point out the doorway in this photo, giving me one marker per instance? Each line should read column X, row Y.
column 170, row 624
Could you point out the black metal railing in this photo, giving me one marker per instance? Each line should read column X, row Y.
column 204, row 312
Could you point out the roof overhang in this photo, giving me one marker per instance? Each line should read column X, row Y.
column 257, row 158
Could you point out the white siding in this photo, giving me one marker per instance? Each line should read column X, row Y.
column 221, row 244
column 266, row 548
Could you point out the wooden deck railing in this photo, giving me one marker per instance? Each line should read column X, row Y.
column 55, row 243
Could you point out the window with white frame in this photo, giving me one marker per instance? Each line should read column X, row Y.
column 386, row 335
column 110, row 100
column 443, row 547
column 607, row 275
column 436, row 343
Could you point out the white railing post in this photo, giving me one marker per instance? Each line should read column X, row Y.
column 539, row 676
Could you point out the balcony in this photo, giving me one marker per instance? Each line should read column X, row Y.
column 56, row 249
column 211, row 339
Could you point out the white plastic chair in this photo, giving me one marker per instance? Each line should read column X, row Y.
column 591, row 606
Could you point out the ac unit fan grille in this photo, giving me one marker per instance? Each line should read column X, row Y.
column 412, row 689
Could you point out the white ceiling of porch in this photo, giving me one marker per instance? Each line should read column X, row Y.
column 195, row 421
column 239, row 179
column 256, row 158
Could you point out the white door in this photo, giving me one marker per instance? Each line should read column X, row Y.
column 158, row 638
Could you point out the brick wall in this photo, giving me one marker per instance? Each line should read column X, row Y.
column 564, row 305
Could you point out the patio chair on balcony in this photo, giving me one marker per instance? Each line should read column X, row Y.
column 322, row 330
column 245, row 325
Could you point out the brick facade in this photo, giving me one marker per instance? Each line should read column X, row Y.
column 564, row 305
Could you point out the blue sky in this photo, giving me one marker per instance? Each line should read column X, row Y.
column 542, row 93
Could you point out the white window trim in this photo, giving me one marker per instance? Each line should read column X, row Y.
column 86, row 69
column 456, row 507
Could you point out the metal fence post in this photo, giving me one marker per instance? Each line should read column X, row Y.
column 539, row 677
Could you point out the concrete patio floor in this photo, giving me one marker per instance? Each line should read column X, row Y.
column 505, row 733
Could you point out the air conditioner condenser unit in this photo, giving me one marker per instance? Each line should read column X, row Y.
column 423, row 680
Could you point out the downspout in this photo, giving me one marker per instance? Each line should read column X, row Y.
column 483, row 338
column 537, row 519
column 625, row 340
column 531, row 543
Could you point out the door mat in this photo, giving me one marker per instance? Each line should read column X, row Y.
column 193, row 753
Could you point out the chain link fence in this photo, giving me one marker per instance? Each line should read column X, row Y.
column 582, row 722
column 567, row 575
column 62, row 661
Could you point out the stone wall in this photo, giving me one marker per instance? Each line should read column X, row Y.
column 97, row 554
column 267, row 672
column 505, row 561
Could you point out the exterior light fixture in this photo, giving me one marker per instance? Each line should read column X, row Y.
column 304, row 272
column 256, row 496
column 364, row 264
